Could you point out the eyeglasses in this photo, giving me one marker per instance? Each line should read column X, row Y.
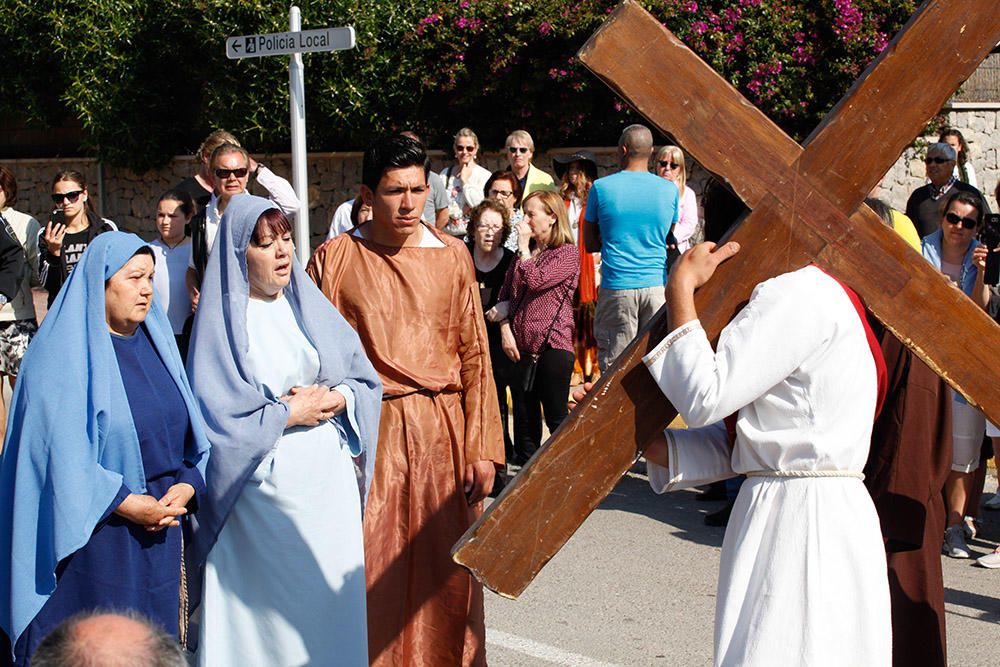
column 71, row 197
column 667, row 164
column 500, row 193
column 467, row 149
column 518, row 149
column 936, row 160
column 489, row 228
column 967, row 223
column 226, row 173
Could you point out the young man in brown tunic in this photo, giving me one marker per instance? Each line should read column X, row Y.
column 410, row 292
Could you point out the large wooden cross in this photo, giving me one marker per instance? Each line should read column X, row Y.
column 806, row 206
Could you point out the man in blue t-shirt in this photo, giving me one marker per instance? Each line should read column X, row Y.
column 629, row 215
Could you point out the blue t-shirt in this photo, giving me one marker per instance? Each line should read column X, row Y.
column 634, row 211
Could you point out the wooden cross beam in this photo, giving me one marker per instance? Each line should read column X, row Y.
column 806, row 207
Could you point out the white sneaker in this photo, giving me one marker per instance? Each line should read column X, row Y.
column 991, row 561
column 969, row 528
column 994, row 502
column 954, row 543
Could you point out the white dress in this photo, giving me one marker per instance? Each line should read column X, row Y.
column 168, row 281
column 803, row 578
column 285, row 582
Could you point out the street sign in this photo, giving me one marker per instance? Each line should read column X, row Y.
column 288, row 43
column 294, row 43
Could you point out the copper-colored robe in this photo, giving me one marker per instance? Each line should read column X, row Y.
column 418, row 313
column 909, row 461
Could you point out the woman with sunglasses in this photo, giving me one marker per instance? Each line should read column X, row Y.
column 463, row 182
column 669, row 163
column 70, row 229
column 955, row 251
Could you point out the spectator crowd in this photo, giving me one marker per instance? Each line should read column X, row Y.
column 289, row 452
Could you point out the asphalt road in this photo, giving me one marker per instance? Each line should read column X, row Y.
column 636, row 586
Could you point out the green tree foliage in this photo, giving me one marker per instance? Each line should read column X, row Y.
column 148, row 78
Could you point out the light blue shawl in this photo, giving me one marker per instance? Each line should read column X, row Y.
column 243, row 424
column 71, row 443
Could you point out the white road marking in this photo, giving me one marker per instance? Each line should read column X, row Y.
column 541, row 651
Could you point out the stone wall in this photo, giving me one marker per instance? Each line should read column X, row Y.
column 980, row 125
column 130, row 199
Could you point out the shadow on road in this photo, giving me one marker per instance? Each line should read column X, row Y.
column 678, row 509
column 989, row 606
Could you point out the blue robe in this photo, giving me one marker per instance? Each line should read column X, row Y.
column 123, row 566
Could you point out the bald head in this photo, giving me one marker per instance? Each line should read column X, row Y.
column 111, row 640
column 637, row 139
column 108, row 640
column 636, row 145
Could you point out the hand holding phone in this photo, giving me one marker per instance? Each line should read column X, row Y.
column 55, row 230
column 990, row 237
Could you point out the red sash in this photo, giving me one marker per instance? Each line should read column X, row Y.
column 588, row 278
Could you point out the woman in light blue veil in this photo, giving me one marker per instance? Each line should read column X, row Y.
column 292, row 407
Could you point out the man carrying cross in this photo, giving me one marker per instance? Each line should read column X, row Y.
column 803, row 576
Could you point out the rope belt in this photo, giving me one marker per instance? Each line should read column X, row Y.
column 805, row 473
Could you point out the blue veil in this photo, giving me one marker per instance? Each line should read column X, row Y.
column 71, row 443
column 243, row 424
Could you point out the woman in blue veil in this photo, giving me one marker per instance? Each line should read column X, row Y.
column 104, row 454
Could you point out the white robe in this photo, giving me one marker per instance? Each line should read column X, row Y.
column 285, row 582
column 803, row 578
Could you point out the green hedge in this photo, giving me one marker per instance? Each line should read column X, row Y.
column 149, row 78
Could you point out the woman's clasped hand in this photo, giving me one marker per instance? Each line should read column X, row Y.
column 154, row 514
column 308, row 406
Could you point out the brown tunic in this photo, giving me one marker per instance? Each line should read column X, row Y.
column 906, row 470
column 418, row 313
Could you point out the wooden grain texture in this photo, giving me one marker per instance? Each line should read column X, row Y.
column 805, row 209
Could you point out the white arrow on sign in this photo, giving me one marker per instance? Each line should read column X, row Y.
column 287, row 43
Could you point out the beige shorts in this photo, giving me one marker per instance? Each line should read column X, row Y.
column 968, row 426
column 621, row 313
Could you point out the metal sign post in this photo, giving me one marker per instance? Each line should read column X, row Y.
column 294, row 43
column 297, row 109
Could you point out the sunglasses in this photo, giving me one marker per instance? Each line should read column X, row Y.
column 467, row 149
column 517, row 149
column 71, row 197
column 226, row 173
column 936, row 160
column 967, row 223
column 501, row 193
column 667, row 164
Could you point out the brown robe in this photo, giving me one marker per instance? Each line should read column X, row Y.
column 909, row 461
column 418, row 313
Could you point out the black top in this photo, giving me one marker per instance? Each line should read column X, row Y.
column 55, row 270
column 490, row 283
column 199, row 194
column 12, row 261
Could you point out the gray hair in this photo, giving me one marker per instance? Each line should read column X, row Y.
column 942, row 148
column 637, row 139
column 521, row 136
column 63, row 648
column 226, row 149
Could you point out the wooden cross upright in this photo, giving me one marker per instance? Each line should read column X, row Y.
column 806, row 207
